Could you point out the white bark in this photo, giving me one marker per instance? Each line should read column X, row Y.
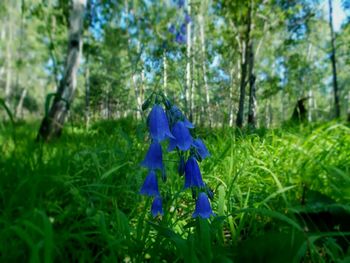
column 19, row 109
column 193, row 80
column 2, row 40
column 204, row 66
column 188, row 53
column 310, row 102
column 165, row 73
column 8, row 64
column 52, row 124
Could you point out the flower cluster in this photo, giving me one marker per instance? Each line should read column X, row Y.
column 179, row 32
column 172, row 125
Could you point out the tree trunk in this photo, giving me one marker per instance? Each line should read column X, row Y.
column 8, row 86
column 334, row 63
column 204, row 66
column 19, row 108
column 188, row 54
column 193, row 80
column 231, row 118
column 310, row 103
column 252, row 90
column 165, row 73
column 52, row 124
column 283, row 105
column 244, row 66
column 2, row 40
column 87, row 93
column 137, row 95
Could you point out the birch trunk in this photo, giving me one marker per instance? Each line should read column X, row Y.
column 232, row 92
column 193, row 80
column 165, row 73
column 310, row 102
column 8, row 83
column 188, row 54
column 334, row 62
column 19, row 108
column 87, row 94
column 252, row 90
column 204, row 66
column 244, row 67
column 52, row 124
column 2, row 39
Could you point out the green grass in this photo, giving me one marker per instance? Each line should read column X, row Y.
column 76, row 199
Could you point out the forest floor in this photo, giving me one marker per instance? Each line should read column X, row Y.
column 280, row 195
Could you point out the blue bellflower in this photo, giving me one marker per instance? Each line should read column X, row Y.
column 183, row 139
column 188, row 124
column 180, row 3
column 187, row 18
column 200, row 147
column 172, row 29
column 180, row 38
column 193, row 177
column 157, row 208
column 203, row 208
column 150, row 185
column 154, row 157
column 175, row 114
column 158, row 124
column 183, row 29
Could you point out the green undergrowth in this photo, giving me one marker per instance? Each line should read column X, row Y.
column 281, row 195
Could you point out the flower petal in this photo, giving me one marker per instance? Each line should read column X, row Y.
column 200, row 147
column 183, row 139
column 203, row 208
column 158, row 124
column 193, row 177
column 157, row 208
column 154, row 157
column 150, row 185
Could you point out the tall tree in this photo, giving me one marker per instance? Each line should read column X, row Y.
column 201, row 22
column 8, row 85
column 188, row 61
column 53, row 122
column 246, row 45
column 252, row 89
column 334, row 62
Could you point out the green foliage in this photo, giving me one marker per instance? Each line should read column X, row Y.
column 77, row 199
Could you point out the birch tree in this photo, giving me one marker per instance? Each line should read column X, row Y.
column 188, row 58
column 334, row 62
column 53, row 122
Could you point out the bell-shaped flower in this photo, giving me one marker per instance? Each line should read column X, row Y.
column 183, row 29
column 150, row 185
column 188, row 124
column 180, row 3
column 193, row 177
column 187, row 18
column 200, row 147
column 180, row 38
column 203, row 208
column 175, row 115
column 157, row 208
column 158, row 124
column 183, row 139
column 154, row 157
column 172, row 29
